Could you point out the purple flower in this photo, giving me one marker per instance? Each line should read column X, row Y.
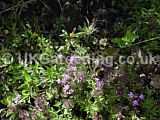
column 58, row 81
column 67, row 77
column 135, row 103
column 73, row 69
column 64, row 82
column 131, row 95
column 60, row 56
column 97, row 79
column 99, row 85
column 12, row 105
column 66, row 87
column 17, row 99
column 70, row 91
column 80, row 76
column 141, row 96
column 73, row 59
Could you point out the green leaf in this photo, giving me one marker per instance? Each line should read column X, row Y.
column 49, row 93
column 25, row 93
column 130, row 37
column 126, row 40
column 4, row 101
column 9, row 99
column 27, row 77
column 24, row 86
column 119, row 41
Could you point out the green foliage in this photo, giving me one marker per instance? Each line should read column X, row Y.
column 149, row 106
column 127, row 40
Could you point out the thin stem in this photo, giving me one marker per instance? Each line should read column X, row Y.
column 156, row 38
column 60, row 6
column 10, row 8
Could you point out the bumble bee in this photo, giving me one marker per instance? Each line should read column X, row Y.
column 101, row 71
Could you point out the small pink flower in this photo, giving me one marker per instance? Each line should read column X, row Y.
column 67, row 77
column 58, row 81
column 60, row 56
column 73, row 69
column 66, row 87
column 97, row 79
column 99, row 85
column 141, row 96
column 135, row 103
column 70, row 91
column 80, row 76
column 73, row 59
column 131, row 95
column 17, row 99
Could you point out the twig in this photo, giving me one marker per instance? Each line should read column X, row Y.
column 10, row 8
column 46, row 6
column 156, row 38
column 60, row 6
column 21, row 8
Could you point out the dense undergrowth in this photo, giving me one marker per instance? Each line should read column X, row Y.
column 79, row 60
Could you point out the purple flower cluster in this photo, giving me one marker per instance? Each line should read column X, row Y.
column 68, row 76
column 131, row 95
column 135, row 103
column 136, row 99
column 80, row 76
column 65, row 82
column 67, row 89
column 16, row 101
column 59, row 81
column 66, row 79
